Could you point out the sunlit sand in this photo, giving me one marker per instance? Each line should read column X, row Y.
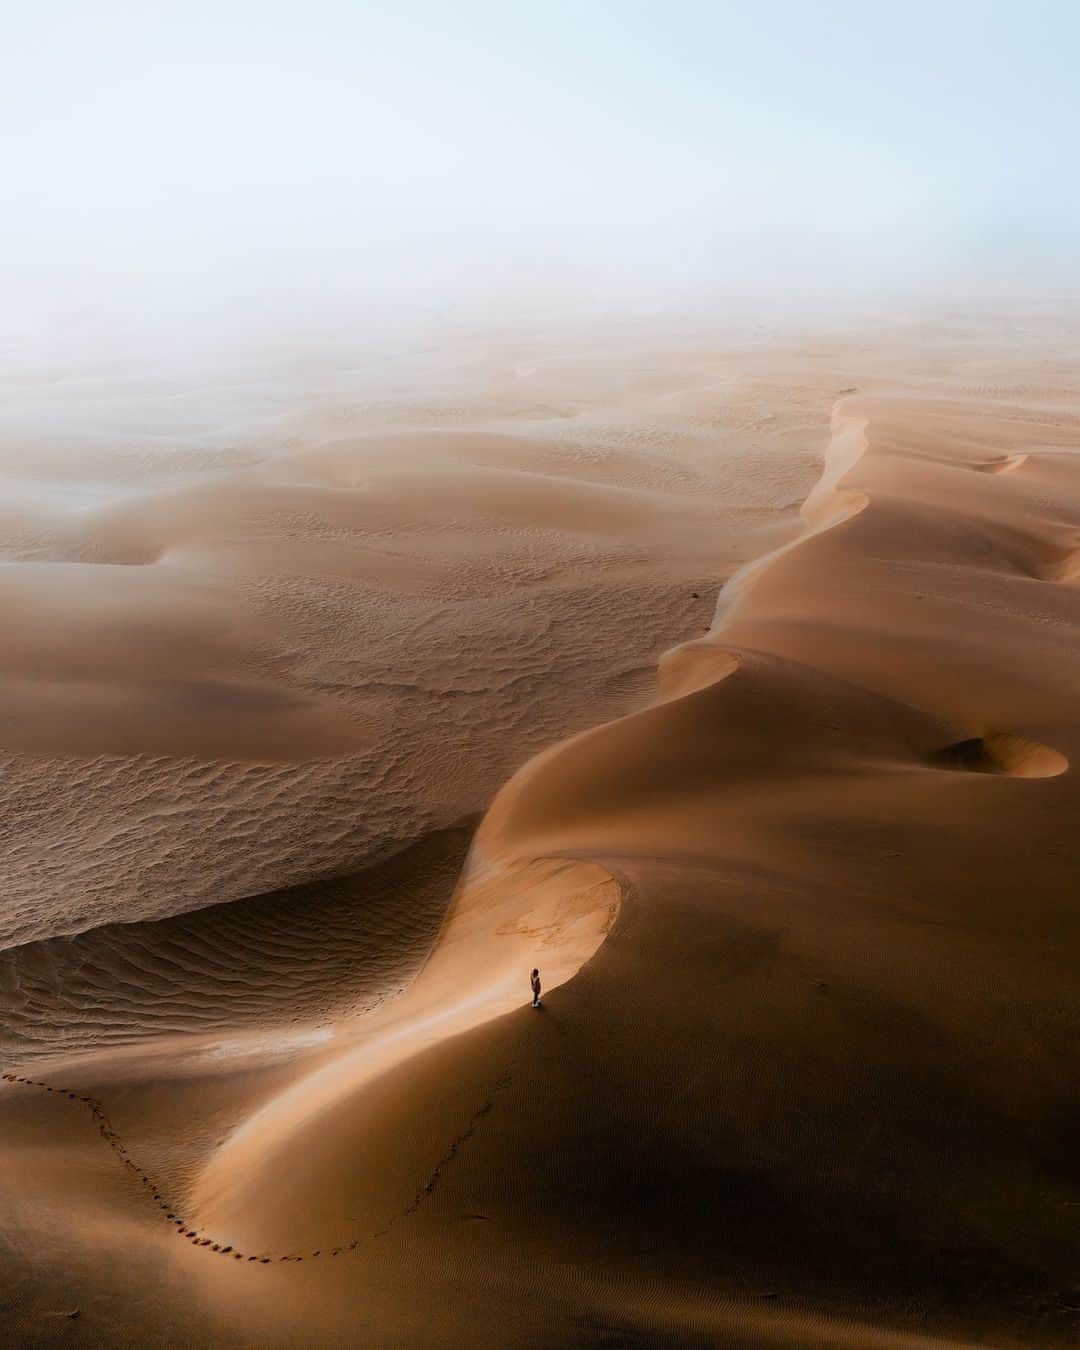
column 730, row 681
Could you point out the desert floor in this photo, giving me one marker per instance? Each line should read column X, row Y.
column 342, row 687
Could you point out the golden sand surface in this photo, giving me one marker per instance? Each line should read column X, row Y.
column 794, row 854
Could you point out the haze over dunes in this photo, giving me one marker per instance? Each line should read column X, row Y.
column 792, row 853
column 579, row 495
column 334, row 609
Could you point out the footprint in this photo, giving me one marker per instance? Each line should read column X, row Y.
column 110, row 1136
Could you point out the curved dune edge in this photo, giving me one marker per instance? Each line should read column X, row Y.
column 827, row 505
column 504, row 919
column 511, row 910
column 558, row 914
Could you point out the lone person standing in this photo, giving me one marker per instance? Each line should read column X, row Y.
column 534, row 980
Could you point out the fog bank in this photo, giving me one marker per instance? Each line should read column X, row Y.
column 182, row 173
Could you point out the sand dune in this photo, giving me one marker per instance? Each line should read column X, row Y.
column 805, row 1070
column 298, row 602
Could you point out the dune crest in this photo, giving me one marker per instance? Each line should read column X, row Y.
column 778, row 721
column 502, row 921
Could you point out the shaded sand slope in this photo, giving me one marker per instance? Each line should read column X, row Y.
column 806, row 1070
column 306, row 955
column 833, row 1041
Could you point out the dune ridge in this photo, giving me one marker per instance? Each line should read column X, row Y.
column 853, row 968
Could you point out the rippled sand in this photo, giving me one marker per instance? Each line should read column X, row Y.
column 278, row 624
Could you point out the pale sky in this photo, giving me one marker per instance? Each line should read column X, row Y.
column 267, row 157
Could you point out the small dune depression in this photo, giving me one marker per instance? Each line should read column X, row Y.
column 999, row 464
column 1064, row 568
column 1000, row 752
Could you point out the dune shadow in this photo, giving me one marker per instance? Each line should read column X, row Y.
column 1001, row 753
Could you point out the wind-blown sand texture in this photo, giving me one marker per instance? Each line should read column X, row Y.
column 277, row 624
column 805, row 1073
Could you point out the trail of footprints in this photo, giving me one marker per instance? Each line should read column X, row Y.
column 196, row 1236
